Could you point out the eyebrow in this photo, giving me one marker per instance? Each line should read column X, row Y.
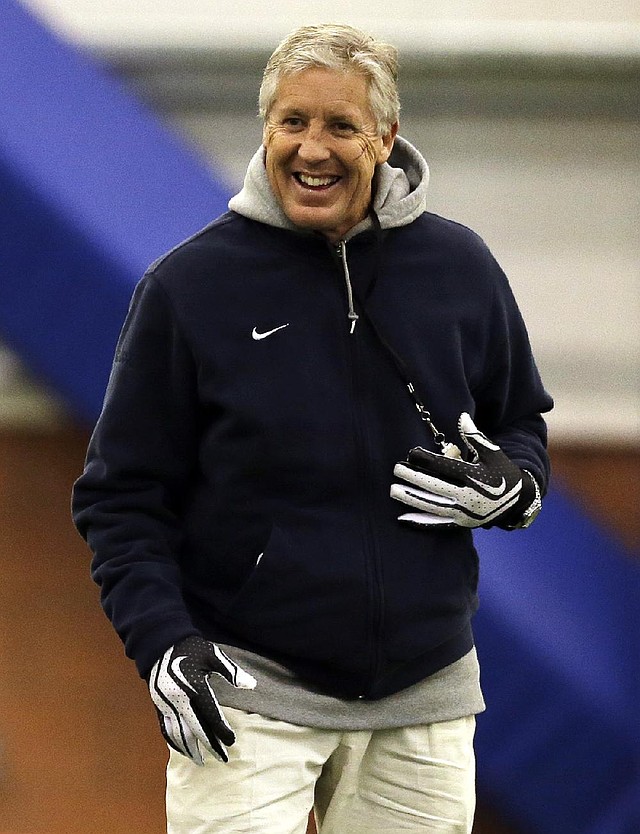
column 336, row 115
column 331, row 118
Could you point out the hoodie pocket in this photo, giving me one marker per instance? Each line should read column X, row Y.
column 302, row 599
column 285, row 600
column 263, row 581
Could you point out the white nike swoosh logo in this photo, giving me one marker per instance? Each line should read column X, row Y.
column 177, row 671
column 257, row 336
column 497, row 491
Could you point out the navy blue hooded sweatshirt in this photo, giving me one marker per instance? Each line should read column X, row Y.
column 237, row 482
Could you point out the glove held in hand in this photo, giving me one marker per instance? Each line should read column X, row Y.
column 450, row 491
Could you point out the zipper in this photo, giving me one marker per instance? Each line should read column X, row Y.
column 372, row 557
column 372, row 554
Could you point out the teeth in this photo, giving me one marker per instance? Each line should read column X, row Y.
column 316, row 181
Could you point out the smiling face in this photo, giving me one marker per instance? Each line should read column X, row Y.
column 322, row 147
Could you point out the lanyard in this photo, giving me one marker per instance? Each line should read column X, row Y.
column 448, row 449
column 339, row 251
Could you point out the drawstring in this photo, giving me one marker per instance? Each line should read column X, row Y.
column 352, row 315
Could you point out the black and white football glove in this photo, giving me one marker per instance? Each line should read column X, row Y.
column 189, row 714
column 446, row 490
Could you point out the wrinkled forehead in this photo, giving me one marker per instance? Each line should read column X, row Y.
column 323, row 87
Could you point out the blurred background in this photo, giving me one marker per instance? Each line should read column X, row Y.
column 124, row 128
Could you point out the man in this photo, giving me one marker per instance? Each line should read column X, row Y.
column 273, row 492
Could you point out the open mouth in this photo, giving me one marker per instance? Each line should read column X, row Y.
column 316, row 181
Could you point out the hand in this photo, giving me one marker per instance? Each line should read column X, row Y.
column 189, row 713
column 450, row 491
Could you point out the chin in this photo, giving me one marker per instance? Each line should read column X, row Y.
column 311, row 220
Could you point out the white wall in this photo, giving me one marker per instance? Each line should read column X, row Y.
column 540, row 24
column 557, row 196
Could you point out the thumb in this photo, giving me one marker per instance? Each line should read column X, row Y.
column 230, row 671
column 477, row 442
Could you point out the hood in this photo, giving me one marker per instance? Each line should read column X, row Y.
column 400, row 192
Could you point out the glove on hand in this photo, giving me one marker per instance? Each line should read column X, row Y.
column 189, row 714
column 449, row 491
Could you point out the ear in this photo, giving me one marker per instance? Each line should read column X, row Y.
column 387, row 144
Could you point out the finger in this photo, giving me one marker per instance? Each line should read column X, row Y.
column 179, row 736
column 425, row 520
column 218, row 750
column 197, row 737
column 468, row 429
column 191, row 744
column 170, row 723
column 169, row 734
column 215, row 747
column 429, row 483
column 231, row 672
column 210, row 740
column 197, row 719
column 453, row 470
column 475, row 440
column 422, row 500
column 210, row 724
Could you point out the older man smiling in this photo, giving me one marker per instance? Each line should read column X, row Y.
column 322, row 147
column 303, row 620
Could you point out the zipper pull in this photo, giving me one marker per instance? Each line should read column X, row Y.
column 352, row 315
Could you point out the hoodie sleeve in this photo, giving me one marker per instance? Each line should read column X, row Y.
column 127, row 503
column 511, row 400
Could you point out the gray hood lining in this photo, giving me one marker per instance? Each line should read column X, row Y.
column 400, row 192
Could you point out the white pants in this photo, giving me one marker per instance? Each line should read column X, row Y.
column 359, row 782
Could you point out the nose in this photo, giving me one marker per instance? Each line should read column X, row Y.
column 313, row 146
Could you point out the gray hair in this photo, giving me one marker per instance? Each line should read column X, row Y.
column 342, row 48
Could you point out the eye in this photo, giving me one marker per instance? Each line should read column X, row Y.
column 293, row 122
column 344, row 127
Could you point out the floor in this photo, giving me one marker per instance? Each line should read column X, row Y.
column 80, row 752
